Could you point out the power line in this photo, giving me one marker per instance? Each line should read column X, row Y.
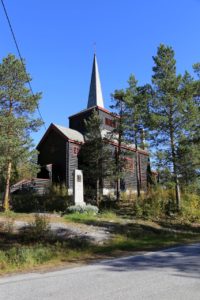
column 20, row 56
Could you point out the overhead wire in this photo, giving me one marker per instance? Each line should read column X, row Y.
column 20, row 56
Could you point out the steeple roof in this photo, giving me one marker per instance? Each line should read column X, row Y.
column 95, row 94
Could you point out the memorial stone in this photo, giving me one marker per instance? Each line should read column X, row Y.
column 78, row 188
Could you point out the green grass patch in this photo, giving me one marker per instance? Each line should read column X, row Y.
column 89, row 217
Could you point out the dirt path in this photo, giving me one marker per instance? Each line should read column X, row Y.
column 94, row 234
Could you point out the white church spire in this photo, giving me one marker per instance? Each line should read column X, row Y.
column 95, row 94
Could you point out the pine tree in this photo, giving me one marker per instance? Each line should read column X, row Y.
column 131, row 113
column 17, row 107
column 118, row 134
column 136, row 101
column 173, row 111
column 96, row 157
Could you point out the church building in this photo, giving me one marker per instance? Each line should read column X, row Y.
column 59, row 147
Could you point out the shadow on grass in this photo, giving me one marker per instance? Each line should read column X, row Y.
column 62, row 239
column 178, row 225
column 135, row 229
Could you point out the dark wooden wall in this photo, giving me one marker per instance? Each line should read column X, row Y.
column 129, row 182
column 76, row 122
column 71, row 162
column 53, row 151
column 105, row 118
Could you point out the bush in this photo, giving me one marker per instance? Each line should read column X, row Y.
column 160, row 202
column 88, row 209
column 8, row 224
column 190, row 209
column 39, row 228
column 56, row 199
column 157, row 203
column 27, row 203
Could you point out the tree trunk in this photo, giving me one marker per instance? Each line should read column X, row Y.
column 136, row 167
column 118, row 189
column 97, row 192
column 6, row 199
column 173, row 153
column 137, row 176
column 178, row 195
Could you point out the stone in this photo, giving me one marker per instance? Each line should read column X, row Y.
column 78, row 188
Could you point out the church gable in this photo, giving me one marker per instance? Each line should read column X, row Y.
column 54, row 150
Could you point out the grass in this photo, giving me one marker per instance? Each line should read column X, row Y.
column 20, row 257
column 89, row 217
column 23, row 250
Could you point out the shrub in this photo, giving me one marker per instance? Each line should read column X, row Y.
column 190, row 208
column 26, row 203
column 8, row 224
column 39, row 228
column 56, row 199
column 88, row 209
column 156, row 203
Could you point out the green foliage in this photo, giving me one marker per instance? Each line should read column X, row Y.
column 174, row 111
column 39, row 228
column 191, row 207
column 8, row 224
column 27, row 203
column 95, row 158
column 21, row 257
column 56, row 199
column 131, row 107
column 119, row 136
column 17, row 118
column 83, row 209
column 159, row 203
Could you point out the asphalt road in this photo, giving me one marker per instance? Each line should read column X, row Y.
column 169, row 274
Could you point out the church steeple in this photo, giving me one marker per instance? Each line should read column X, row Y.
column 95, row 94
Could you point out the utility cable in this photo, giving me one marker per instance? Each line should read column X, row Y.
column 20, row 56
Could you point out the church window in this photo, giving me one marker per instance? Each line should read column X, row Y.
column 110, row 122
column 75, row 150
column 129, row 163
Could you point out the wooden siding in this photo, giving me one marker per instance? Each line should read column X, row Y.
column 72, row 162
column 105, row 118
column 36, row 185
column 77, row 122
column 129, row 182
column 53, row 151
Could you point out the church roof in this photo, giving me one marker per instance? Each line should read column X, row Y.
column 95, row 94
column 70, row 133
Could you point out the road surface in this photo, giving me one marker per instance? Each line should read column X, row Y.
column 169, row 274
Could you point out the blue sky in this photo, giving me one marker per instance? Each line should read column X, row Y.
column 56, row 39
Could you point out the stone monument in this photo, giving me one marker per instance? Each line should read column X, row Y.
column 78, row 188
